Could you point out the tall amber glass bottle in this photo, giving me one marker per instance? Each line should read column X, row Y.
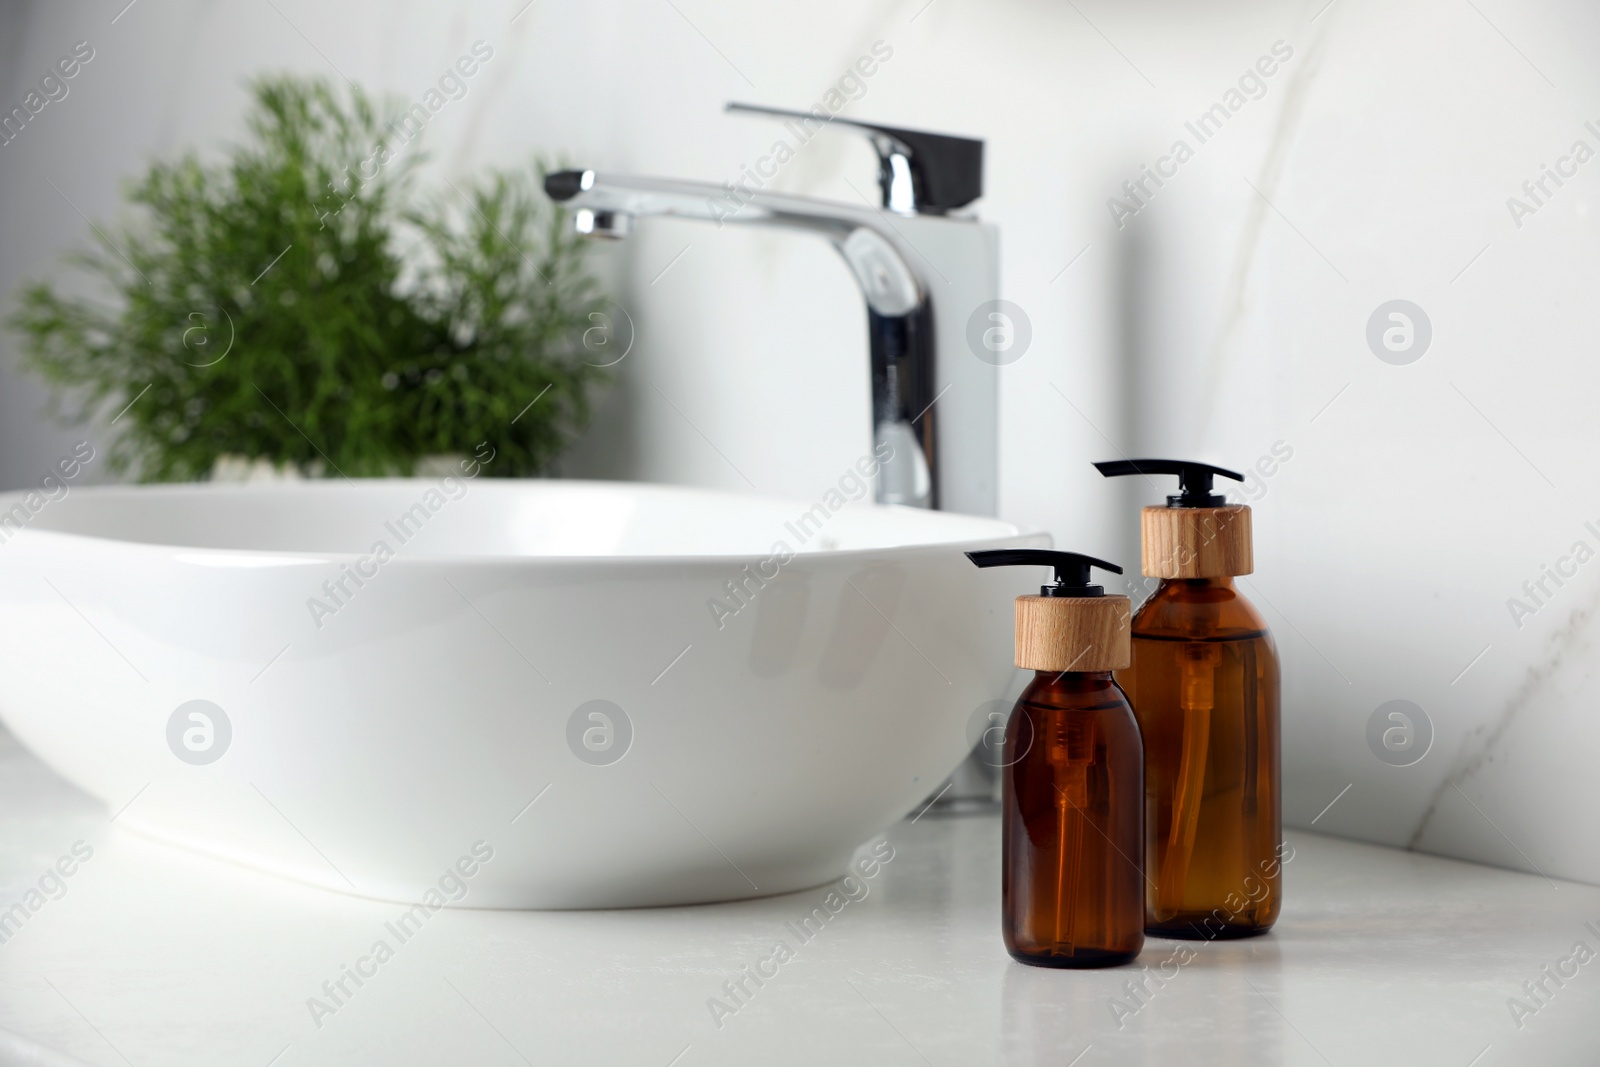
column 1204, row 685
column 1072, row 878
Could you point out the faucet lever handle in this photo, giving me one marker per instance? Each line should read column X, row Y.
column 920, row 173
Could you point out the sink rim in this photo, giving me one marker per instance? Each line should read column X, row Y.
column 1004, row 529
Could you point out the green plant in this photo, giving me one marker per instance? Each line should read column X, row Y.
column 296, row 304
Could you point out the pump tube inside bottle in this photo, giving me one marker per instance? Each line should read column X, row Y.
column 1196, row 699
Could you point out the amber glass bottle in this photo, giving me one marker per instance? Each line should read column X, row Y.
column 1204, row 681
column 1072, row 787
column 1072, row 887
column 1204, row 686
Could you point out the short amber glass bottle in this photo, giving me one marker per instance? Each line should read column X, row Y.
column 1204, row 685
column 1072, row 787
column 1072, row 887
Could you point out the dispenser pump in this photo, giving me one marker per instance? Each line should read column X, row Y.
column 1071, row 626
column 1072, row 569
column 1194, row 479
column 1198, row 534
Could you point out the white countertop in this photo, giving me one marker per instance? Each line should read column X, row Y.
column 156, row 956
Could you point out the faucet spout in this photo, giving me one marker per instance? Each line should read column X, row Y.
column 863, row 237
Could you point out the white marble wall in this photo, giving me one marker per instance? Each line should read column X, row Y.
column 1225, row 318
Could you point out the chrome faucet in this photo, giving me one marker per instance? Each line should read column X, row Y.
column 924, row 272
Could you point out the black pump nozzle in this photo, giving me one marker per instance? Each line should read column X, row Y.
column 1194, row 479
column 1072, row 569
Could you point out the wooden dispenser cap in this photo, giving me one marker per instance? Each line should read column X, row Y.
column 1058, row 633
column 1197, row 542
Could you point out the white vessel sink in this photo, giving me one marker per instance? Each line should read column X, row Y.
column 441, row 709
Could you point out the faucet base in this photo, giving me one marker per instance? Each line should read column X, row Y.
column 972, row 789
